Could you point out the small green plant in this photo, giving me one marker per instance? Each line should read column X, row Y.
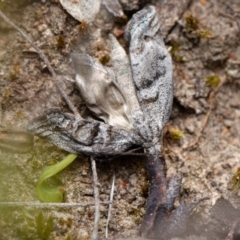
column 44, row 225
column 46, row 192
column 37, row 225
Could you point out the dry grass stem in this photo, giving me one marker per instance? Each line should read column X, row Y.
column 110, row 204
column 48, row 205
column 97, row 200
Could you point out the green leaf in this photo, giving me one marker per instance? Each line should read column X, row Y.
column 46, row 192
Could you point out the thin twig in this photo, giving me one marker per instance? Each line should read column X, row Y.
column 110, row 205
column 48, row 205
column 207, row 116
column 97, row 200
column 46, row 61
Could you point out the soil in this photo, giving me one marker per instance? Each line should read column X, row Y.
column 201, row 140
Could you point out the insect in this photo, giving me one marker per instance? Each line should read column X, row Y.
column 132, row 102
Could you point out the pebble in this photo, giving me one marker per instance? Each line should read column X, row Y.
column 42, row 27
column 133, row 179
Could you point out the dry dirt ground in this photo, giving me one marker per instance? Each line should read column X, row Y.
column 201, row 140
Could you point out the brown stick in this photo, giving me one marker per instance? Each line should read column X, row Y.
column 110, row 206
column 157, row 190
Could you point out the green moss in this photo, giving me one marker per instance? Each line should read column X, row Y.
column 37, row 15
column 121, row 20
column 193, row 27
column 13, row 76
column 8, row 94
column 192, row 23
column 176, row 134
column 104, row 59
column 15, row 72
column 69, row 222
column 83, row 27
column 205, row 33
column 175, row 47
column 74, row 41
column 61, row 42
column 179, row 59
column 212, row 81
column 137, row 212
